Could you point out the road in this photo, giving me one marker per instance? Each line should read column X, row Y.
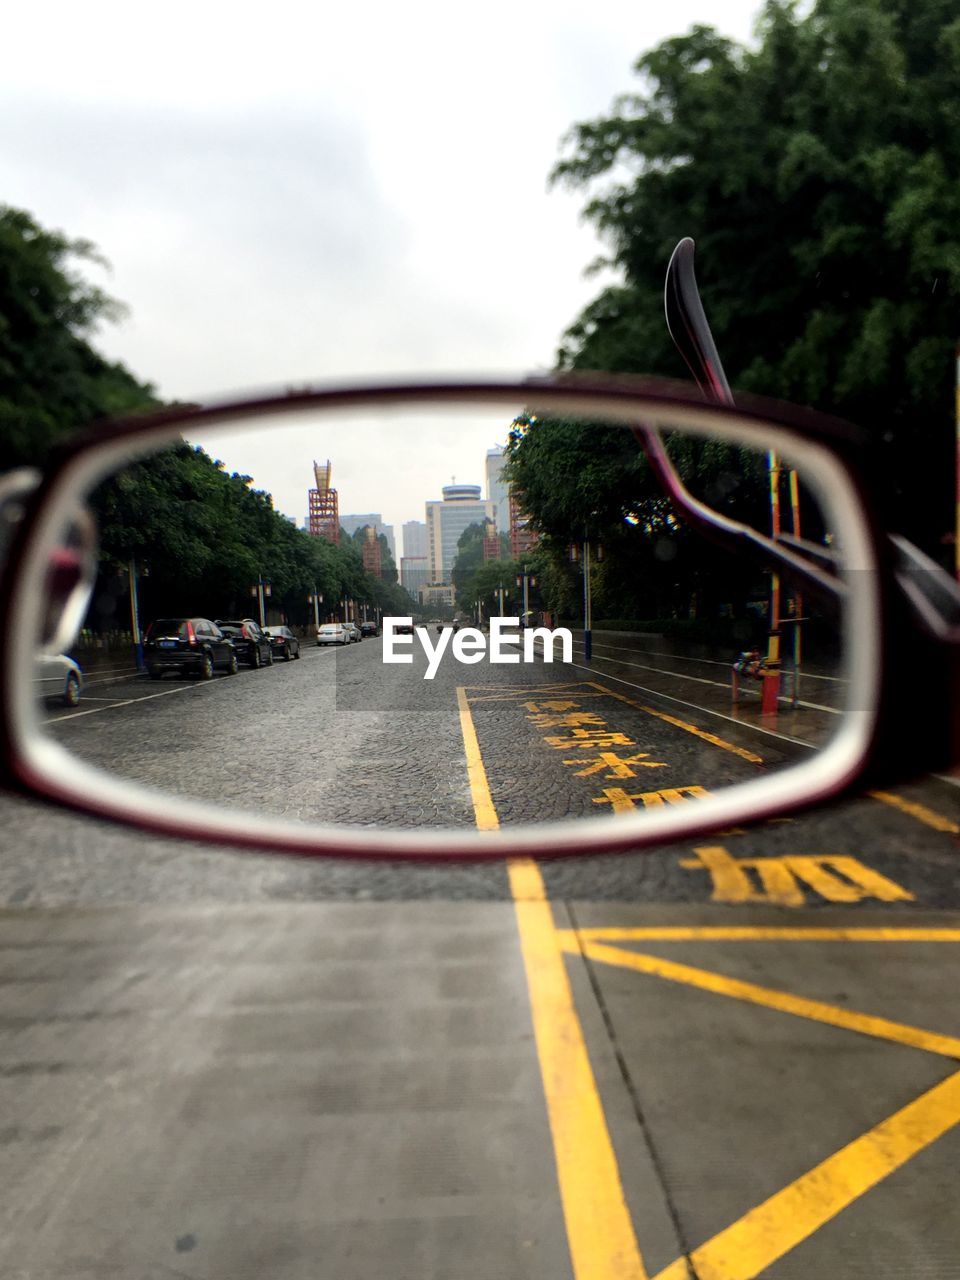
column 731, row 1058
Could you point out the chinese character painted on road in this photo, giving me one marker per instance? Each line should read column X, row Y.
column 552, row 704
column 838, row 878
column 617, row 766
column 569, row 721
column 589, row 738
column 623, row 803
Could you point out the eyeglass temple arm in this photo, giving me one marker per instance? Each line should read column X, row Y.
column 933, row 594
column 688, row 327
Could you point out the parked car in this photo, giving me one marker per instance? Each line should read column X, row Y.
column 189, row 646
column 283, row 643
column 251, row 643
column 333, row 633
column 57, row 676
column 354, row 632
column 369, row 629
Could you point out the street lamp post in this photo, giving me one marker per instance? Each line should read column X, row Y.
column 587, row 605
column 525, row 581
column 316, row 600
column 580, row 551
column 261, row 593
column 135, row 614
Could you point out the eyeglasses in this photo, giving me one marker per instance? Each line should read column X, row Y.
column 721, row 649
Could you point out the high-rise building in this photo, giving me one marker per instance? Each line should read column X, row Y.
column 324, row 505
column 414, row 539
column 370, row 550
column 460, row 507
column 522, row 538
column 414, row 573
column 497, row 489
column 351, row 523
column 491, row 542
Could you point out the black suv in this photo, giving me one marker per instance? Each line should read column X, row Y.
column 192, row 646
column 252, row 645
column 369, row 629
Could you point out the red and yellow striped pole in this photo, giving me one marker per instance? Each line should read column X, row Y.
column 770, row 697
column 956, row 535
column 797, row 600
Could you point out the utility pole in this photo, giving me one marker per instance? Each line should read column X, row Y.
column 135, row 615
column 770, row 697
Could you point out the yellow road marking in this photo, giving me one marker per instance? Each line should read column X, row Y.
column 754, row 933
column 600, row 1233
column 486, row 814
column 783, row 1001
column 712, row 738
column 919, row 811
column 766, row 1233
column 836, row 877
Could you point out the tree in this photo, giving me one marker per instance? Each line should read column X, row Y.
column 819, row 174
column 51, row 379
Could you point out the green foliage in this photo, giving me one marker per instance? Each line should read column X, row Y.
column 201, row 537
column 204, row 537
column 819, row 174
column 51, row 379
column 583, row 482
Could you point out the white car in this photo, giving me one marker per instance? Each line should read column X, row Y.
column 57, row 676
column 333, row 633
column 353, row 631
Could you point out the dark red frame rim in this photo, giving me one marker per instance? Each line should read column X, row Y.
column 836, row 434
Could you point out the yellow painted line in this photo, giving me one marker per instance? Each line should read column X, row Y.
column 582, row 689
column 712, row 738
column 782, row 1001
column 600, row 1233
column 486, row 814
column 760, row 1237
column 755, row 933
column 603, row 1245
column 919, row 811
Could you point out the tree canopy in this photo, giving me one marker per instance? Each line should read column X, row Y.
column 201, row 536
column 52, row 380
column 819, row 174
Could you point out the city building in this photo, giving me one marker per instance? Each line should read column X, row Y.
column 370, row 550
column 351, row 523
column 414, row 573
column 497, row 489
column 447, row 519
column 522, row 538
column 414, row 539
column 437, row 595
column 491, row 542
column 324, row 505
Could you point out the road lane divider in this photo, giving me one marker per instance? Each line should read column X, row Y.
column 600, row 1234
column 484, row 812
column 929, row 817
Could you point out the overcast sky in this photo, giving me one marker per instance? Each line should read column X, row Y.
column 317, row 192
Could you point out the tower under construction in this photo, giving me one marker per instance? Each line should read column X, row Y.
column 324, row 506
